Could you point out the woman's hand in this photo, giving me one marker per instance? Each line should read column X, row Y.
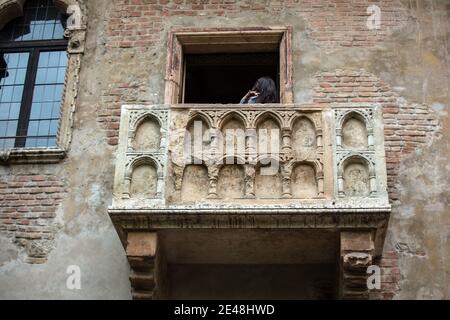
column 251, row 94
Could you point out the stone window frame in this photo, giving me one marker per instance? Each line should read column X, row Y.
column 208, row 40
column 76, row 35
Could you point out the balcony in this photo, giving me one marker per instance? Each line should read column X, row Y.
column 284, row 157
column 252, row 167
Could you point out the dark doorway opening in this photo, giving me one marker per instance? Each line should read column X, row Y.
column 224, row 78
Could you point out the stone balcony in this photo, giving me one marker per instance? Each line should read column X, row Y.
column 291, row 156
column 252, row 167
column 325, row 160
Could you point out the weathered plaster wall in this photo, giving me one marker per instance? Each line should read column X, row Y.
column 406, row 66
column 82, row 232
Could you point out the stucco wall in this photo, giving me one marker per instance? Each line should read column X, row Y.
column 124, row 63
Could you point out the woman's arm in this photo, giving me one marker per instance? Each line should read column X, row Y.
column 249, row 95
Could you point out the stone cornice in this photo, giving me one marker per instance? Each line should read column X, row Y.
column 31, row 156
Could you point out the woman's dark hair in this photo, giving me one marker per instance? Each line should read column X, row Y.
column 267, row 90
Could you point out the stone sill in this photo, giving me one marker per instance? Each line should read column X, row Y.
column 31, row 156
column 279, row 206
column 255, row 210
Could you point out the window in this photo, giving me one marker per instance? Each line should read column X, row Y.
column 221, row 65
column 33, row 62
column 226, row 77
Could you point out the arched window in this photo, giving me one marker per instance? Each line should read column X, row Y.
column 33, row 62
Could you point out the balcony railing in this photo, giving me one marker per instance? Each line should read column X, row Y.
column 278, row 158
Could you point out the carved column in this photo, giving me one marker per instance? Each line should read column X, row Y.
column 320, row 185
column 251, row 145
column 372, row 182
column 286, row 141
column 286, row 171
column 339, row 138
column 356, row 253
column 370, row 138
column 216, row 145
column 319, row 138
column 147, row 266
column 340, row 183
column 126, row 187
column 249, row 181
column 213, row 175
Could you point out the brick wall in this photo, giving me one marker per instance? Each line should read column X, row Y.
column 138, row 26
column 138, row 23
column 390, row 277
column 28, row 204
column 406, row 126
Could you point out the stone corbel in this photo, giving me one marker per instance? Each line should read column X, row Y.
column 4, row 156
column 357, row 249
column 76, row 40
column 143, row 253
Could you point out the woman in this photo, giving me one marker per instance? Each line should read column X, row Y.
column 264, row 91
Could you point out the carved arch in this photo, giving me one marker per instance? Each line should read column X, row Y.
column 230, row 115
column 140, row 121
column 140, row 161
column 143, row 160
column 146, row 117
column 356, row 157
column 316, row 164
column 200, row 115
column 265, row 115
column 318, row 173
column 299, row 116
column 362, row 116
column 237, row 159
column 265, row 157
